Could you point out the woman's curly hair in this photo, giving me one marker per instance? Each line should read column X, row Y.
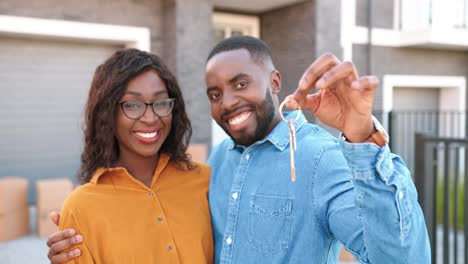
column 110, row 81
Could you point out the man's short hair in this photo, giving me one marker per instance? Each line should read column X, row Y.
column 257, row 49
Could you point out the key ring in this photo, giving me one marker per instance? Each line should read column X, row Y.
column 281, row 111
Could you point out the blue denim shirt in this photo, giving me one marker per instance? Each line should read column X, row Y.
column 358, row 195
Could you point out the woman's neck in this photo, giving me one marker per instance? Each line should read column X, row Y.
column 141, row 168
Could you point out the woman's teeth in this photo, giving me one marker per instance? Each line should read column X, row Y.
column 147, row 135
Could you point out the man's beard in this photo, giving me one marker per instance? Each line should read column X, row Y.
column 264, row 112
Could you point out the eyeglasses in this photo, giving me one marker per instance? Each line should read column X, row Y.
column 136, row 109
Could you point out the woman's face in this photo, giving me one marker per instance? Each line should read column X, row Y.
column 142, row 137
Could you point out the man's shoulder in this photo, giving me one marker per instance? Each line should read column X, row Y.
column 218, row 151
column 227, row 143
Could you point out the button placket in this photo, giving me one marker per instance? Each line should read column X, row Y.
column 233, row 210
column 161, row 223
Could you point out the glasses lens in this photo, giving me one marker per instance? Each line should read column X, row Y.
column 163, row 107
column 134, row 109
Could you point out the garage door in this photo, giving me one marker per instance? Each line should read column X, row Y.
column 43, row 88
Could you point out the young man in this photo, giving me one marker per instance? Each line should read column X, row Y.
column 350, row 190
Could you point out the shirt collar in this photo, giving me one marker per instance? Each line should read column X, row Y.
column 279, row 136
column 163, row 161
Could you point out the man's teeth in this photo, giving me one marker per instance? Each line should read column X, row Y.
column 147, row 135
column 239, row 119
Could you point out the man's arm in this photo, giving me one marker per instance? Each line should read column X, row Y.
column 357, row 197
column 61, row 242
column 376, row 215
column 386, row 199
column 70, row 220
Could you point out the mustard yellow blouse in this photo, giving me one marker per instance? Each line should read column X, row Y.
column 124, row 221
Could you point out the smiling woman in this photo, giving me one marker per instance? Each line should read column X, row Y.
column 143, row 199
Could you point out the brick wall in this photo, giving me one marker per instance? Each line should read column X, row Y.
column 289, row 31
column 190, row 38
column 410, row 61
column 328, row 35
column 382, row 13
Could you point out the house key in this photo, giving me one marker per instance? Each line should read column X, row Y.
column 292, row 137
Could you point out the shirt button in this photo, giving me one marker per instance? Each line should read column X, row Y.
column 401, row 195
column 169, row 248
column 150, row 194
column 229, row 240
column 247, row 156
column 160, row 219
column 235, row 195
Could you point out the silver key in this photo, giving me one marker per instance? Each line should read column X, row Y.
column 292, row 133
column 292, row 137
column 292, row 148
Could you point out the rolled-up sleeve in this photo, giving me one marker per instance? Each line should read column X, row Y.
column 392, row 219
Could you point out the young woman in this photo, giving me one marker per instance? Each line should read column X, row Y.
column 143, row 200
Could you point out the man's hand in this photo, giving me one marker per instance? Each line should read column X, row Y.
column 60, row 241
column 343, row 101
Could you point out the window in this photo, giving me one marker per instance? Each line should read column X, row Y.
column 415, row 14
column 440, row 14
column 227, row 25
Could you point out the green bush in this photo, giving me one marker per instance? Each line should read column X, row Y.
column 461, row 204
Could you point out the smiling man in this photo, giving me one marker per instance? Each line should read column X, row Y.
column 255, row 117
column 351, row 191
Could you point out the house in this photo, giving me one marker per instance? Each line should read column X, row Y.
column 49, row 50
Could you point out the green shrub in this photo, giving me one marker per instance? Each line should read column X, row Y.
column 461, row 204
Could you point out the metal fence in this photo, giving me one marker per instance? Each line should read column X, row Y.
column 441, row 180
column 402, row 125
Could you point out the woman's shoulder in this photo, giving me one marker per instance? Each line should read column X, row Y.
column 200, row 169
column 193, row 169
column 79, row 197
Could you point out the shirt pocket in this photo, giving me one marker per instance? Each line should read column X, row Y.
column 269, row 224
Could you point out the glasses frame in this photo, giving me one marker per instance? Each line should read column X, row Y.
column 170, row 100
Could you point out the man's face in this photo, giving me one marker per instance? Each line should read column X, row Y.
column 239, row 90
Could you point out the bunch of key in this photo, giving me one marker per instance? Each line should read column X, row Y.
column 292, row 136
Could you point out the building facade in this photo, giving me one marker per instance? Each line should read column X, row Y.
column 49, row 50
